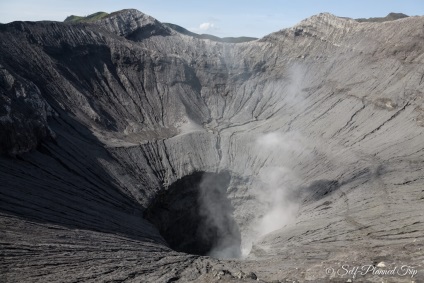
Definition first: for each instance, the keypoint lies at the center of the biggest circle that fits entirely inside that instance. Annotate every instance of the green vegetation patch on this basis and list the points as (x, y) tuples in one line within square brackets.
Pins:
[(86, 19)]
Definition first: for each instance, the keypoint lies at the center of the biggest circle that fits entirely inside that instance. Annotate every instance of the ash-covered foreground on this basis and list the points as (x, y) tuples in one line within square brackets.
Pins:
[(311, 138)]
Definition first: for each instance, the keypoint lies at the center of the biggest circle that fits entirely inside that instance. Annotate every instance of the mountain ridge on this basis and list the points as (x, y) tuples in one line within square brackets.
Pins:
[(102, 15), (389, 17)]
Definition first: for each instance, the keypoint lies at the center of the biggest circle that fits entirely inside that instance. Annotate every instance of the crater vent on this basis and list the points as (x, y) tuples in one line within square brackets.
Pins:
[(195, 216)]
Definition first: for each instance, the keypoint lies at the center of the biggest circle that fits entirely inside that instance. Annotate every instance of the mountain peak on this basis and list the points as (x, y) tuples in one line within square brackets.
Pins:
[(133, 24), (326, 19)]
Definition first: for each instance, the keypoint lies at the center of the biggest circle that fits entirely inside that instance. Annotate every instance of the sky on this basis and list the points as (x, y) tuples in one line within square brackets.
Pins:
[(219, 17)]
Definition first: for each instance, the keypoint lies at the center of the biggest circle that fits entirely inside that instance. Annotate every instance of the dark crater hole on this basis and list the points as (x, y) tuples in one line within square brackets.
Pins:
[(195, 216)]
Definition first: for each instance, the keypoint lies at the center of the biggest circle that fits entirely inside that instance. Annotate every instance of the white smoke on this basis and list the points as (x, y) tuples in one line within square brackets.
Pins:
[(275, 185), (281, 209), (278, 180)]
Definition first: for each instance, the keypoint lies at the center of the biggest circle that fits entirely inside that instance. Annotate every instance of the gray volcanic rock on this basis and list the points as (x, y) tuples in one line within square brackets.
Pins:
[(305, 146), (133, 24), (23, 115)]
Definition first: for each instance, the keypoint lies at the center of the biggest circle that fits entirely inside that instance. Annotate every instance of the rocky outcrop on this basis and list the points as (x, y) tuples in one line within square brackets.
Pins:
[(24, 115), (317, 130)]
